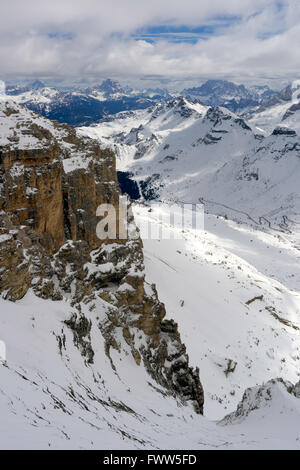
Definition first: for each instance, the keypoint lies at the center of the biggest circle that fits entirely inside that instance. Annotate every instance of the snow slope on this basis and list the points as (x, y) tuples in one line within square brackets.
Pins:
[(137, 133), (235, 293), (50, 398)]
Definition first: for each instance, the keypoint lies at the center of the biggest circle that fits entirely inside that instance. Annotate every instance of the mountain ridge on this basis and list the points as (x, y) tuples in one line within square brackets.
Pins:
[(185, 151)]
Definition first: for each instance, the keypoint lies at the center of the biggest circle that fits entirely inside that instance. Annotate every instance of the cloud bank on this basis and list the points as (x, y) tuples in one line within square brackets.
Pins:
[(133, 38)]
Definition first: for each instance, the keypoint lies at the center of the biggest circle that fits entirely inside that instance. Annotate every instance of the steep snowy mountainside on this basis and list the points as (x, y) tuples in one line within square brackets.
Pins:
[(134, 134), (184, 151), (263, 183), (234, 292), (235, 97), (50, 398), (178, 120), (282, 109), (264, 407), (107, 89), (282, 396)]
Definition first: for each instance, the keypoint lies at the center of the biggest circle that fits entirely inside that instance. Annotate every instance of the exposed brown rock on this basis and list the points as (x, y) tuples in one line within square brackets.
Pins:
[(49, 195)]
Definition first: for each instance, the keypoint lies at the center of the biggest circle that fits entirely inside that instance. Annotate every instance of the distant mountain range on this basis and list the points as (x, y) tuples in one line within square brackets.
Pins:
[(83, 106), (230, 95)]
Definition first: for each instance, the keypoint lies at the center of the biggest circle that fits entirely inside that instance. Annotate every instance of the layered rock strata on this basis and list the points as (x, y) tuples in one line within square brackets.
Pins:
[(51, 184)]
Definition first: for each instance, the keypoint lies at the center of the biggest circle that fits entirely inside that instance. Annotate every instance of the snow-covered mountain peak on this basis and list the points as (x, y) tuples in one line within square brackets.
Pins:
[(218, 115), (179, 101), (281, 109), (111, 86), (234, 97), (175, 112), (187, 152), (107, 89), (36, 84), (39, 97), (277, 397)]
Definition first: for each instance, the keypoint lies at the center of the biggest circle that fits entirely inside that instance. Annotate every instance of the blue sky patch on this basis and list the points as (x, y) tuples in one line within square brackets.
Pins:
[(62, 36), (185, 33)]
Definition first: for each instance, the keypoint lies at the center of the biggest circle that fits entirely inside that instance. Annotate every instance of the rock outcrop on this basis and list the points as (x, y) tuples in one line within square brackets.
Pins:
[(276, 392), (51, 183)]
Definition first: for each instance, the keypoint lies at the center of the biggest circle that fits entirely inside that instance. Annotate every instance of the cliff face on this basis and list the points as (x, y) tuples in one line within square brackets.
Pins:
[(51, 185)]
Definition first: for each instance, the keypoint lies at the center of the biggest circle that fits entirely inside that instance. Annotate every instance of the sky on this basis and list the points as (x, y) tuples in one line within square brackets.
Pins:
[(153, 40)]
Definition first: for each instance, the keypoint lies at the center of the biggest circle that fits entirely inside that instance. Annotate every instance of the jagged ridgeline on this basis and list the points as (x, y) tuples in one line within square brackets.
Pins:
[(52, 182)]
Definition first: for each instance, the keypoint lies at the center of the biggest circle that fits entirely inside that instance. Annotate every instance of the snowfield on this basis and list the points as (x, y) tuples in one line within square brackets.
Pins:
[(234, 292)]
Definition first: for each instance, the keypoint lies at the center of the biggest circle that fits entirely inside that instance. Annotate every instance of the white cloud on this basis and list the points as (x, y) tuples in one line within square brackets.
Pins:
[(95, 38), (2, 89)]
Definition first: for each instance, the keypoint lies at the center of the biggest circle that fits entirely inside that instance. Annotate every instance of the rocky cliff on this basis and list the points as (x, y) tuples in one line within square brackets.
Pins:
[(51, 183)]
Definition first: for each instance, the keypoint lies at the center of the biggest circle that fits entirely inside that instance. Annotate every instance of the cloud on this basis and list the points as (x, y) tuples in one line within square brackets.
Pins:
[(68, 38), (2, 90)]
